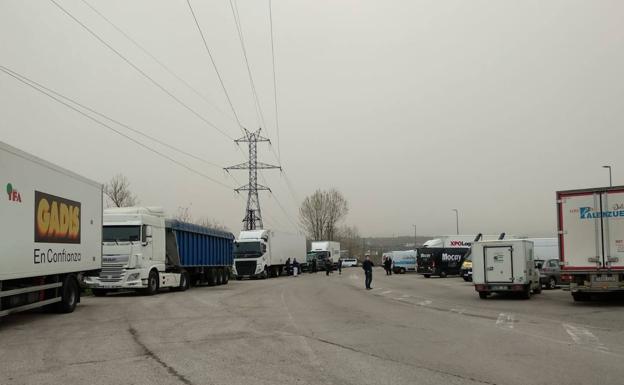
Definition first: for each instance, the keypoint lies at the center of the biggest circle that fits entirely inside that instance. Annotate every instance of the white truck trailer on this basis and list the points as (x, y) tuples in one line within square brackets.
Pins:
[(591, 240), (505, 266), (461, 240), (145, 251), (50, 233), (263, 253)]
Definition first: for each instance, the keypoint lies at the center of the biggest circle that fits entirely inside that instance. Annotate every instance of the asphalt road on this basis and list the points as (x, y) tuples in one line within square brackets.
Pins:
[(315, 329)]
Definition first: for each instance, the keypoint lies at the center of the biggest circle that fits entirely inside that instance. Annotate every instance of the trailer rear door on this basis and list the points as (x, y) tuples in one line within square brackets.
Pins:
[(613, 222), (580, 229), (498, 262)]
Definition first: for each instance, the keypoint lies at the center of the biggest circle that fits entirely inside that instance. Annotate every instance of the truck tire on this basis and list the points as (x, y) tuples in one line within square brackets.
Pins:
[(526, 294), (466, 279), (211, 277), (153, 283), (580, 297), (219, 277), (538, 289), (402, 270), (99, 292), (443, 274), (70, 296), (226, 276), (427, 275), (185, 282), (483, 294)]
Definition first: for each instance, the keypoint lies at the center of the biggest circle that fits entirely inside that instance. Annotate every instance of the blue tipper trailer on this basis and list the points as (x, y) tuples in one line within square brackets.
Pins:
[(205, 254)]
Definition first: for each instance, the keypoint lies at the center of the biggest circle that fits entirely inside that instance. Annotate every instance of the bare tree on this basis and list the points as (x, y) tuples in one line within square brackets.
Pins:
[(320, 212), (118, 192), (184, 215)]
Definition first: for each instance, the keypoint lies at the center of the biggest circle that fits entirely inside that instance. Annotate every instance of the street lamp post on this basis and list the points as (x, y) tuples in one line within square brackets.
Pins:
[(610, 181), (456, 220)]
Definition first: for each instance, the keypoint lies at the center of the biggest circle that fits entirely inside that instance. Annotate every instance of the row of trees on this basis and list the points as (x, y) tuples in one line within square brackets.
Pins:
[(320, 214)]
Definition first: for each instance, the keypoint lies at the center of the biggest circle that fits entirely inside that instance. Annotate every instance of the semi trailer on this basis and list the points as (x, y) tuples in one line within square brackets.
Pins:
[(50, 233), (264, 253), (144, 251), (591, 240)]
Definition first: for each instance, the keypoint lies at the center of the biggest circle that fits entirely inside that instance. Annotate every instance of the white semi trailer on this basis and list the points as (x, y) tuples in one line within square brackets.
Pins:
[(591, 240), (263, 253), (50, 233)]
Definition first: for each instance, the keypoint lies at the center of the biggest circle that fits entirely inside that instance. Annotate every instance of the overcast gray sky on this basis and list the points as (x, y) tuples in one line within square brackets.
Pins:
[(410, 108)]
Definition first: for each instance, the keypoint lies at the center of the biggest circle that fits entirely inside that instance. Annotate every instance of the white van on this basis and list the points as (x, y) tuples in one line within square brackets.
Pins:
[(505, 266)]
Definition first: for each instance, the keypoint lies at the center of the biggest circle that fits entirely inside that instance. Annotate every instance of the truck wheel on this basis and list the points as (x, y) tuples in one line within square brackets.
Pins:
[(483, 294), (580, 297), (211, 277), (218, 277), (552, 283), (402, 271), (427, 275), (443, 274), (226, 276), (99, 292), (466, 279), (185, 281), (153, 283), (238, 278), (538, 289), (69, 296), (526, 294)]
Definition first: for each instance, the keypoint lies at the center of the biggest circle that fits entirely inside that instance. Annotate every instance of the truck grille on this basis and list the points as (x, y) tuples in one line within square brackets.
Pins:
[(245, 267), (111, 272)]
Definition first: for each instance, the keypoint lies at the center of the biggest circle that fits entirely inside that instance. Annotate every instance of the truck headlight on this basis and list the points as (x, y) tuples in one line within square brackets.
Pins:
[(133, 276)]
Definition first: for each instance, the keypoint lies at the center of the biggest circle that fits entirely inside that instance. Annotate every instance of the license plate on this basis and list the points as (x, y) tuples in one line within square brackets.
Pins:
[(605, 278), (500, 288)]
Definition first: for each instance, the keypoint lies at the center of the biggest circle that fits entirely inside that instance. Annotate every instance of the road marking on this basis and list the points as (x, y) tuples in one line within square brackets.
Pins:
[(424, 303), (582, 336), (505, 321), (387, 292), (458, 311)]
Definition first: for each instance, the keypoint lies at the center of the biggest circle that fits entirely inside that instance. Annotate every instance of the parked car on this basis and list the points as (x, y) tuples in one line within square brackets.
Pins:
[(349, 262), (550, 272)]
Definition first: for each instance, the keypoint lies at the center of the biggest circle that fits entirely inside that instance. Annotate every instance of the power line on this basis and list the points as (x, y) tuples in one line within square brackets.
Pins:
[(24, 80), (93, 111), (140, 70), (214, 64), (159, 62), (284, 211), (241, 38), (279, 153)]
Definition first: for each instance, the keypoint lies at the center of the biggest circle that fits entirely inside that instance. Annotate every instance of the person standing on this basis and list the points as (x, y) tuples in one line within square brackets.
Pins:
[(339, 266), (287, 266), (388, 265), (295, 266), (328, 266), (367, 265)]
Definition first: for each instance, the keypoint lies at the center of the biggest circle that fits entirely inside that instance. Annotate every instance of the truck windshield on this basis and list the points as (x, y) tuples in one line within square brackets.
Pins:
[(121, 233), (248, 249), (319, 255)]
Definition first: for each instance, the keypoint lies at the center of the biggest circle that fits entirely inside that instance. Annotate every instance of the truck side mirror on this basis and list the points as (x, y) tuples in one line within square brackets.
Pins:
[(148, 231)]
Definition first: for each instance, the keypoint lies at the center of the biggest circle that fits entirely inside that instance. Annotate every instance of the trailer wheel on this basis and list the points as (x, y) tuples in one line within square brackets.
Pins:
[(153, 283), (185, 281), (69, 296), (218, 276), (99, 292), (211, 277), (226, 276), (483, 294)]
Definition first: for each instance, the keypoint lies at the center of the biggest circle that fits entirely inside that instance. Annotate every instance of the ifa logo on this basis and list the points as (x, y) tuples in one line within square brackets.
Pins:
[(13, 194)]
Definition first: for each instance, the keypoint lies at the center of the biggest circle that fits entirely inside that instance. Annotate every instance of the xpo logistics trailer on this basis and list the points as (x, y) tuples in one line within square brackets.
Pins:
[(591, 240), (50, 233), (144, 251), (263, 253)]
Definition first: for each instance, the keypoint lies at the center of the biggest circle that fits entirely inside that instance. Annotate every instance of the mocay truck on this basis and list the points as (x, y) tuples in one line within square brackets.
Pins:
[(263, 253), (505, 266), (144, 251), (591, 240), (50, 233)]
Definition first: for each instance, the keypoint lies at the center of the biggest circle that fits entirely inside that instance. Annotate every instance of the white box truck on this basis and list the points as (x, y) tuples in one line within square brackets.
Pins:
[(50, 233), (322, 251), (145, 251), (263, 253), (591, 240), (505, 266)]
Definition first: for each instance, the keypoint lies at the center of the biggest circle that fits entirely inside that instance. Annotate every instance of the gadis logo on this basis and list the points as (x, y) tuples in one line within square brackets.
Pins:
[(57, 220), (14, 195)]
